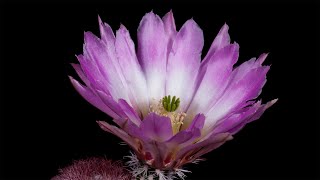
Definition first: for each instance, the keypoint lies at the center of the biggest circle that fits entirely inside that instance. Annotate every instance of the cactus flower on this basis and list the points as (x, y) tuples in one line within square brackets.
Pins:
[(167, 104)]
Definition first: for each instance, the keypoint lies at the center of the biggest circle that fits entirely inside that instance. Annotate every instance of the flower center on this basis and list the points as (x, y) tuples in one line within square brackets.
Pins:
[(170, 105), (167, 107)]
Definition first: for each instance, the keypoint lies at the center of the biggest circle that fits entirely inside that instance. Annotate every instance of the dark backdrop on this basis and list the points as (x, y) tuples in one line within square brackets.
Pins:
[(45, 124)]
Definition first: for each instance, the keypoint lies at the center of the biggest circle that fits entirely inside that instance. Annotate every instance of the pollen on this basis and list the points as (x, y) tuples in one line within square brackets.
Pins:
[(169, 108)]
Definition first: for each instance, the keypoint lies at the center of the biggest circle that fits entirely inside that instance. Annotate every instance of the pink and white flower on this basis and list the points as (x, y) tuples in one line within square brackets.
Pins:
[(169, 106)]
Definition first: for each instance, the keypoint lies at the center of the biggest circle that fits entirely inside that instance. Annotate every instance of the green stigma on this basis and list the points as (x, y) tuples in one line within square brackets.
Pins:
[(169, 104)]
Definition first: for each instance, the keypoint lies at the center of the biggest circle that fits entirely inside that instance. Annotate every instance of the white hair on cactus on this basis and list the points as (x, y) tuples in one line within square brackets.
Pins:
[(142, 171)]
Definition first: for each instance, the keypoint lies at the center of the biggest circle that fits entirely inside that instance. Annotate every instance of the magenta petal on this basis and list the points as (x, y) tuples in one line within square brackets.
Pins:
[(191, 133), (197, 123), (169, 24), (92, 98), (261, 110), (130, 112), (81, 74), (92, 73), (180, 137), (131, 69), (108, 100), (215, 142), (170, 29), (152, 53), (236, 119), (209, 144), (220, 41), (184, 62), (106, 65), (214, 80), (156, 127), (118, 132), (253, 117), (106, 32), (237, 94)]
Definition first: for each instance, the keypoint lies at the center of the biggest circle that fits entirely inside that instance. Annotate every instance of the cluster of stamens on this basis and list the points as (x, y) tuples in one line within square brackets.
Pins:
[(167, 107)]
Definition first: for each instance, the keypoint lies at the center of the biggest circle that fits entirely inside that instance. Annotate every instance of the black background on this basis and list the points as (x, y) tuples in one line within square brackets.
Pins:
[(45, 124)]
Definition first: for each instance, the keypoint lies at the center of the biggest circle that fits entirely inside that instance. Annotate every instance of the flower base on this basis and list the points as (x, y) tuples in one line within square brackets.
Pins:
[(142, 171)]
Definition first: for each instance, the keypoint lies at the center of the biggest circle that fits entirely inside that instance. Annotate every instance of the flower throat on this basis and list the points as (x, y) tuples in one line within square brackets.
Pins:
[(167, 107)]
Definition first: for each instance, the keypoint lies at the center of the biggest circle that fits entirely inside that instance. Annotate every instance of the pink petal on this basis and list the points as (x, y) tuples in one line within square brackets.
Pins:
[(156, 127), (129, 111), (245, 85), (214, 81), (80, 73), (106, 64), (93, 74), (132, 70), (106, 33), (152, 52), (170, 29), (220, 41), (118, 132), (196, 150), (186, 136), (183, 63), (92, 98), (236, 119), (234, 124)]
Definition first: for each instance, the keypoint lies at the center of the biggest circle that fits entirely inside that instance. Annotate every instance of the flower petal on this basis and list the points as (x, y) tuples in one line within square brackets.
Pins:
[(80, 73), (104, 58), (169, 24), (106, 33), (152, 53), (129, 111), (214, 80), (170, 29), (254, 116), (192, 152), (132, 70), (118, 132), (242, 88), (156, 127), (236, 119), (92, 73), (110, 102), (190, 134), (93, 99), (221, 40), (183, 63)]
